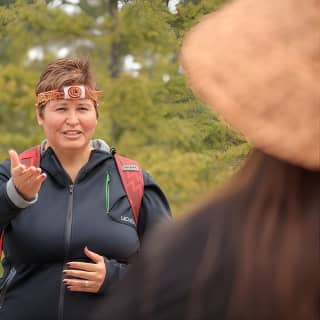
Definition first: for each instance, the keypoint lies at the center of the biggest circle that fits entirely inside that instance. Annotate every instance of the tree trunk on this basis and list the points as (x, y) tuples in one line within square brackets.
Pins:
[(115, 61)]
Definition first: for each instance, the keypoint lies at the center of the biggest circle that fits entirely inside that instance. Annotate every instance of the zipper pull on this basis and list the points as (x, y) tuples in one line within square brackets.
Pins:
[(71, 188), (108, 180)]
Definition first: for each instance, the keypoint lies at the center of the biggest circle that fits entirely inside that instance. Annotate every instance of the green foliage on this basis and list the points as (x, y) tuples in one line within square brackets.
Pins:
[(24, 26), (187, 176), (149, 114), (146, 23), (190, 11)]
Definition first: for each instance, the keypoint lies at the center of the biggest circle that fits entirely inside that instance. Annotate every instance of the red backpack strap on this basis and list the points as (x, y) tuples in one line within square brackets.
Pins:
[(31, 157), (132, 180)]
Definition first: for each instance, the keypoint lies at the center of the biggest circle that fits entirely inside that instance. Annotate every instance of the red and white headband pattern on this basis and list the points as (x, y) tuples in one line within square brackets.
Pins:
[(69, 92)]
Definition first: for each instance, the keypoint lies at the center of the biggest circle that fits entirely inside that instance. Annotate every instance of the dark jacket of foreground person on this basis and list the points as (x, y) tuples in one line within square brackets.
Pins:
[(252, 252)]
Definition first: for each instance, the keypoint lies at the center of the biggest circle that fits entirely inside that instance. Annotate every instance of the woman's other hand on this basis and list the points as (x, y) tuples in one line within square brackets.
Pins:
[(86, 276), (26, 180)]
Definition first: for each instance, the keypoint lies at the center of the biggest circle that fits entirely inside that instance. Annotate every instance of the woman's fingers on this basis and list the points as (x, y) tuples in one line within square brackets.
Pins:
[(33, 176), (93, 256), (85, 266), (39, 179), (28, 183), (83, 280), (17, 168), (86, 277), (26, 180), (14, 159), (81, 285), (79, 274)]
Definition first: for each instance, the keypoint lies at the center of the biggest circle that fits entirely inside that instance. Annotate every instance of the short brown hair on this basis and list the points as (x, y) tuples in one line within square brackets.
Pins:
[(65, 72)]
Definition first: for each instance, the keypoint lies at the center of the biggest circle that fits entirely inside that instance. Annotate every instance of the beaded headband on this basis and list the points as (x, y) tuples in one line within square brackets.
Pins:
[(69, 92)]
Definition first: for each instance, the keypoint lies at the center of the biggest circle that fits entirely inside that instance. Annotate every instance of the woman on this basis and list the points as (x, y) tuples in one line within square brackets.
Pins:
[(69, 228), (252, 251)]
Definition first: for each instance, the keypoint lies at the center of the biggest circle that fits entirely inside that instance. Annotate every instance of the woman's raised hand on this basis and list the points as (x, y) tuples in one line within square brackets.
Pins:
[(26, 180)]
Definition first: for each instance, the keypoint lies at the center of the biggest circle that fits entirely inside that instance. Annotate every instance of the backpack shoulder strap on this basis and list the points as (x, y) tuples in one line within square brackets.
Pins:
[(132, 181), (29, 157)]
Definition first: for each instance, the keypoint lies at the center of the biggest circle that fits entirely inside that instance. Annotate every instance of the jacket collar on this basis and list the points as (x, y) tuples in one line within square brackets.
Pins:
[(52, 166)]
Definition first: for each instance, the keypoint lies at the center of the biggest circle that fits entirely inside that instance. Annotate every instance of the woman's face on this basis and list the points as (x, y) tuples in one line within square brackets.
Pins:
[(68, 124)]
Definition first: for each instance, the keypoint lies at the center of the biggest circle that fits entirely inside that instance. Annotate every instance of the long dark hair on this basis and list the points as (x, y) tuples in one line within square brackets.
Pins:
[(277, 276), (268, 219)]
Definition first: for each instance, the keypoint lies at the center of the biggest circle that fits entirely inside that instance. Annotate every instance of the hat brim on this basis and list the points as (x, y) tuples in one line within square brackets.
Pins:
[(256, 63)]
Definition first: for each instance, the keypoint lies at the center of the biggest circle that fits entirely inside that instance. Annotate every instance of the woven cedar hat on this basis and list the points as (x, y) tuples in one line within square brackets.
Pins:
[(257, 64)]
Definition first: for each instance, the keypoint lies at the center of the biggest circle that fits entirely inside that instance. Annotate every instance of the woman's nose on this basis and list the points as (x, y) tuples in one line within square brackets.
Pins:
[(72, 118)]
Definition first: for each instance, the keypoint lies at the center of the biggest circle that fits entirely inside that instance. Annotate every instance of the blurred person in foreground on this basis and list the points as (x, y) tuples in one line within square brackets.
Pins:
[(70, 231), (252, 250)]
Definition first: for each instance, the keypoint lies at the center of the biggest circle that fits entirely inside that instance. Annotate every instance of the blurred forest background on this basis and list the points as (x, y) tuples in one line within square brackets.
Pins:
[(147, 112)]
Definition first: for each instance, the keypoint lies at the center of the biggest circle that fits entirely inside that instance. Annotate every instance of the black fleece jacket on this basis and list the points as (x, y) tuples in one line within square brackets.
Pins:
[(42, 237)]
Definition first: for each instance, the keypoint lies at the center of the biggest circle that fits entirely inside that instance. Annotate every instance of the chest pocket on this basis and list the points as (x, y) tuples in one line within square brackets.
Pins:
[(117, 203)]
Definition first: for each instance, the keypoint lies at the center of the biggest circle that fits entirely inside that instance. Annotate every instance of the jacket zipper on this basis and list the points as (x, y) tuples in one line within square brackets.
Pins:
[(108, 180), (6, 285), (67, 247)]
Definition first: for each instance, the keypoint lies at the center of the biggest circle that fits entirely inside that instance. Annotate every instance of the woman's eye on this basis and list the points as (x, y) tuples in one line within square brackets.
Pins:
[(60, 109), (83, 108)]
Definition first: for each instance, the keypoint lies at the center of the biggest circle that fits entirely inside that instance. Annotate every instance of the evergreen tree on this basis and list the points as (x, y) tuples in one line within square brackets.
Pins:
[(147, 113)]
